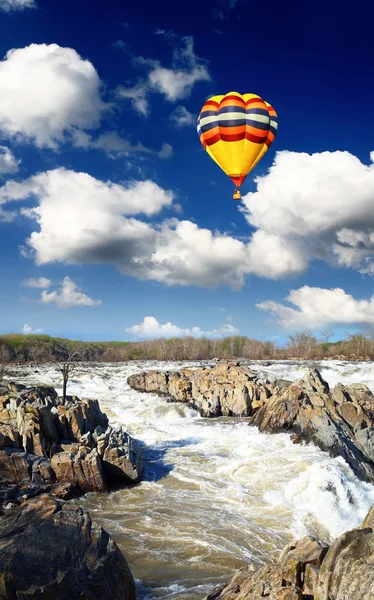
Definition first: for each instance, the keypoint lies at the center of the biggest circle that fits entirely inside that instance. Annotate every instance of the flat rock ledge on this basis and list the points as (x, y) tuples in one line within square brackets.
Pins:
[(52, 550), (311, 570), (61, 448), (339, 421)]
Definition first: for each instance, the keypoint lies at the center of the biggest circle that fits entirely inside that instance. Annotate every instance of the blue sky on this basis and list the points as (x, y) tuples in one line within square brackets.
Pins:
[(116, 224)]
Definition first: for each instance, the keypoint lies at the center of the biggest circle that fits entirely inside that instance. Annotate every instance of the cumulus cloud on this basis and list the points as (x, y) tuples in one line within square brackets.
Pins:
[(69, 295), (181, 117), (151, 328), (8, 162), (307, 206), (37, 282), (312, 206), (317, 306), (105, 226), (47, 93), (174, 83), (9, 5), (27, 330)]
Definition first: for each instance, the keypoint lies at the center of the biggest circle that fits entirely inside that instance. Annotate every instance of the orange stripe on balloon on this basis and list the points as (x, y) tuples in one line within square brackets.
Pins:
[(212, 132), (232, 130), (257, 131)]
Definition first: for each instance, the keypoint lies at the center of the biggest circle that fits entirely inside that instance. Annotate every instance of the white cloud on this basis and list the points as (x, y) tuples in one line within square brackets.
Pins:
[(151, 328), (37, 282), (9, 5), (312, 206), (182, 117), (69, 295), (8, 162), (317, 306), (174, 83), (47, 93), (27, 330), (104, 226)]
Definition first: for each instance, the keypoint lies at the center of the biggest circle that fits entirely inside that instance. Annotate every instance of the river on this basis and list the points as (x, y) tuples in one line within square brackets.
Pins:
[(216, 493)]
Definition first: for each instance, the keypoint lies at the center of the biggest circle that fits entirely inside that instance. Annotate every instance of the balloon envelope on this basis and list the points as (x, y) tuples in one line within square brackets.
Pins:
[(236, 130)]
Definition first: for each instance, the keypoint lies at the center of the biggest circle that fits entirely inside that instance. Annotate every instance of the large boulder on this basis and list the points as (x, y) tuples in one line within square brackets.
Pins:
[(284, 580), (226, 390), (51, 550), (80, 466), (121, 455), (311, 570)]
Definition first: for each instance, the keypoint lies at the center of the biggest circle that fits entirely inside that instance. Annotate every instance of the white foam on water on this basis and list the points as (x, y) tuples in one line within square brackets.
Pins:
[(217, 492)]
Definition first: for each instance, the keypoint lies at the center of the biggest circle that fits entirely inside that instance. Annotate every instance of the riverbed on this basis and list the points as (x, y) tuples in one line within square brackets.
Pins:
[(216, 493)]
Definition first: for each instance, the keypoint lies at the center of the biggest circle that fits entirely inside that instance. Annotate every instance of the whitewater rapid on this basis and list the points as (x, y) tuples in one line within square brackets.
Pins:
[(217, 493)]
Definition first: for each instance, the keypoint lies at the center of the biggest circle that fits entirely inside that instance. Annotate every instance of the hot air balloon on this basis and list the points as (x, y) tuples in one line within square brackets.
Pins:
[(236, 130)]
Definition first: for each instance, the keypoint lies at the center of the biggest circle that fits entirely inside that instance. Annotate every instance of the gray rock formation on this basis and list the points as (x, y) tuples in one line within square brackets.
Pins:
[(223, 391), (311, 570), (50, 550), (339, 421), (43, 441)]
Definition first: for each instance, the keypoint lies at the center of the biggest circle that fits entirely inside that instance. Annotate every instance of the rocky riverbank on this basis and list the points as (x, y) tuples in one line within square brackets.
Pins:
[(311, 570), (51, 451), (51, 550), (339, 421), (64, 448)]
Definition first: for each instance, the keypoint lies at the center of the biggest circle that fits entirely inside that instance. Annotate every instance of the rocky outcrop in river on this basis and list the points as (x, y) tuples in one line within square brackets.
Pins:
[(339, 421), (46, 444), (51, 550), (311, 570)]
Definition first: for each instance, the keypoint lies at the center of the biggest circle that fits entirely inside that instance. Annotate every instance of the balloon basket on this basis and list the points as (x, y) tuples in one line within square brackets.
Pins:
[(237, 195)]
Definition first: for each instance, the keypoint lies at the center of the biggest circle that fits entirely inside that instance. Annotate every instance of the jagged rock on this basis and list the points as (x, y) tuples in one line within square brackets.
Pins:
[(340, 421), (15, 494), (79, 417), (310, 570), (347, 571), (121, 455), (37, 424), (226, 390), (64, 491), (41, 470), (80, 466), (49, 550), (14, 466), (9, 436), (310, 580), (287, 579)]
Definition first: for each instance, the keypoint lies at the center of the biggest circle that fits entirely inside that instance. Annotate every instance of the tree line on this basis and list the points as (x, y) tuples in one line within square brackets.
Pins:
[(17, 348)]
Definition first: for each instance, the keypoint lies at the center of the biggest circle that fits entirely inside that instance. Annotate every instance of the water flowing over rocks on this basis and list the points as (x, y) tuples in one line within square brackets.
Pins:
[(339, 421), (45, 442), (311, 570), (51, 550)]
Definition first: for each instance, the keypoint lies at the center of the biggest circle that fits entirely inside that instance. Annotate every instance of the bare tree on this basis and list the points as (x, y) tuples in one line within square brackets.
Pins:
[(66, 358), (303, 343), (326, 334)]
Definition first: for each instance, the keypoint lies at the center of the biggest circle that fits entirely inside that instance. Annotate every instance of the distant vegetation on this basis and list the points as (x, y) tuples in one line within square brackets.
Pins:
[(16, 348)]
